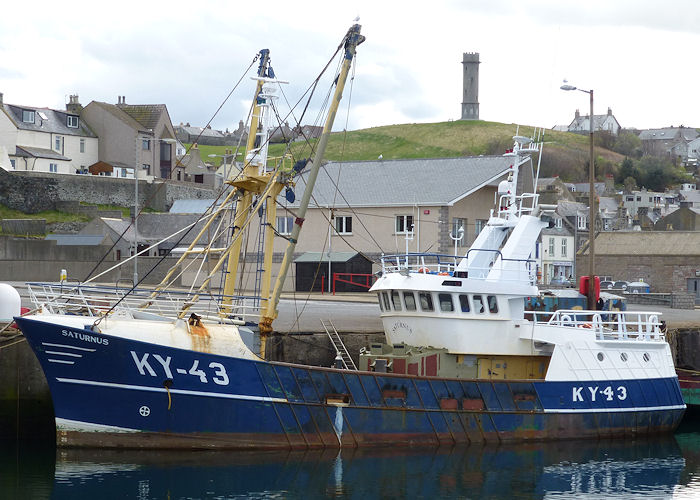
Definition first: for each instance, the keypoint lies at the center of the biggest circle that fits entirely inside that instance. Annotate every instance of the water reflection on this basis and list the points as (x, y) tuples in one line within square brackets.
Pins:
[(649, 468)]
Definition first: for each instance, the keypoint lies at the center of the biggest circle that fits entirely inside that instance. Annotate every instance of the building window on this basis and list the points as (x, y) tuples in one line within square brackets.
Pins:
[(557, 223), (57, 143), (582, 221), (12, 163), (82, 145), (404, 224), (53, 167), (145, 144), (343, 224), (458, 223), (563, 247), (479, 226), (285, 225), (72, 121), (124, 172), (27, 116), (551, 247), (147, 168)]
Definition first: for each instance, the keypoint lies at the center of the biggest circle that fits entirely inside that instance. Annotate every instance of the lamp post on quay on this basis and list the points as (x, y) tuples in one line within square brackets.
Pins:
[(591, 202)]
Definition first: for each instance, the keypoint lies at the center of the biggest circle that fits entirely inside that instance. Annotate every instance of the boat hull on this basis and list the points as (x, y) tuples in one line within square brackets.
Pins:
[(111, 392)]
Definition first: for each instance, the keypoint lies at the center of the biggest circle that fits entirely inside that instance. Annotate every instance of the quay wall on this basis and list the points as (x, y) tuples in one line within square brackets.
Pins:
[(33, 192), (24, 259)]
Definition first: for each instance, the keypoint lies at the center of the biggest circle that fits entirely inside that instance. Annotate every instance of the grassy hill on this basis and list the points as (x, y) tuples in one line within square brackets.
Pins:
[(565, 154)]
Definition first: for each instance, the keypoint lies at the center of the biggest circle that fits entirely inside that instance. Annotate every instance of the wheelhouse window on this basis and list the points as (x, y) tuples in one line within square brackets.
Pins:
[(343, 224), (379, 299), (426, 301), (28, 116), (409, 300), (385, 299), (464, 303), (72, 121), (446, 304), (478, 304), (285, 225), (404, 224), (493, 303), (395, 300)]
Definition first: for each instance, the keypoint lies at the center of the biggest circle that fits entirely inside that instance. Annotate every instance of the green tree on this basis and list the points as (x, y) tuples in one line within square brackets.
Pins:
[(628, 144)]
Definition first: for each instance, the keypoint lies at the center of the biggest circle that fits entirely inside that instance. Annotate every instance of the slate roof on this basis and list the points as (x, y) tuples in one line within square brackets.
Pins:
[(688, 134), (146, 114), (49, 154), (570, 208), (114, 110), (191, 206), (584, 187), (426, 182), (156, 227), (56, 122), (77, 239), (197, 131)]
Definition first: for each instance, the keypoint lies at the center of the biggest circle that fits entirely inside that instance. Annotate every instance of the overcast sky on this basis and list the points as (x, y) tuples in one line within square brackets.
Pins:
[(639, 56)]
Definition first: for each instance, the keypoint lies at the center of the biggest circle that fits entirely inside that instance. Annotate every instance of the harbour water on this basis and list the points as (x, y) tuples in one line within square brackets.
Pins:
[(654, 467)]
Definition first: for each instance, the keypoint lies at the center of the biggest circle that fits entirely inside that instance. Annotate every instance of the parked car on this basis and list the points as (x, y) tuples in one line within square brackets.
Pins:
[(621, 285), (638, 287), (560, 281), (606, 285)]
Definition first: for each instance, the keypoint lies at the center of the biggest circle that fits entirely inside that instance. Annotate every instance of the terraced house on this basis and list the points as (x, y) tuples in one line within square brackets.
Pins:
[(41, 139)]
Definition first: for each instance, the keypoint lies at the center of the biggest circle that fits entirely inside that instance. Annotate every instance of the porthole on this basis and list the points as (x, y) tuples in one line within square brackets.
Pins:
[(646, 357), (623, 356), (600, 356)]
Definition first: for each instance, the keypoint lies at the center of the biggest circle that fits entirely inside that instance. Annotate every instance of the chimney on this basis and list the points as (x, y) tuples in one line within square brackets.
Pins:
[(609, 111), (577, 114), (74, 106)]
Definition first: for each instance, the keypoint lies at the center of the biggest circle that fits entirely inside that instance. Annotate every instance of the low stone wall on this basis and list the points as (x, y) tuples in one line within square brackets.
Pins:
[(24, 226), (33, 192)]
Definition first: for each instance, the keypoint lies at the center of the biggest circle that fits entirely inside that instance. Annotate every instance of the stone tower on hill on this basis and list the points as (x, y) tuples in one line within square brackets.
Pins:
[(470, 90)]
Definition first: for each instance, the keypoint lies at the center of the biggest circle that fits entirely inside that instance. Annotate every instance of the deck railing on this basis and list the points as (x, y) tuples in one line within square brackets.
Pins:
[(97, 300), (607, 325), (448, 265)]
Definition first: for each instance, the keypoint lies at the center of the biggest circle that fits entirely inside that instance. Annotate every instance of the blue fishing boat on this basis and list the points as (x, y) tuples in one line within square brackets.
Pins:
[(463, 361)]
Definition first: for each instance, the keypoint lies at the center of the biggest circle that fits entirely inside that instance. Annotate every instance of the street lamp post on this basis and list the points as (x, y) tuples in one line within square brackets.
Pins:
[(591, 202)]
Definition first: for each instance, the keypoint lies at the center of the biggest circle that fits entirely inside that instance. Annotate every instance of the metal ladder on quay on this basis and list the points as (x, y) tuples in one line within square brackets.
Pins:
[(338, 345)]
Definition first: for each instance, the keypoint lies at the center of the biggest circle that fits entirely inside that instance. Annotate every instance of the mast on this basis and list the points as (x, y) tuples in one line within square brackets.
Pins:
[(352, 40)]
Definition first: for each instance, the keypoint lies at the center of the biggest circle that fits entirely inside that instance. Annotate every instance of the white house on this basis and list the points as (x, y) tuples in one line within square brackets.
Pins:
[(558, 252), (45, 140), (605, 123)]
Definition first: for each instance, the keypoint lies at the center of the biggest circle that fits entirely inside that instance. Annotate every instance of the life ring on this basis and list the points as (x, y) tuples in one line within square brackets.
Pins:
[(585, 325), (424, 270)]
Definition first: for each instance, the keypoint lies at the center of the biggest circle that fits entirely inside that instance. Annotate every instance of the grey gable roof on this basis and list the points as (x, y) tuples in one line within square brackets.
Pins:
[(426, 182), (56, 122)]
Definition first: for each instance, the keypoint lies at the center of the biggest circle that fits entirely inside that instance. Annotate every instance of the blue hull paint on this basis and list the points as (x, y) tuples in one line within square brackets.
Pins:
[(181, 398)]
